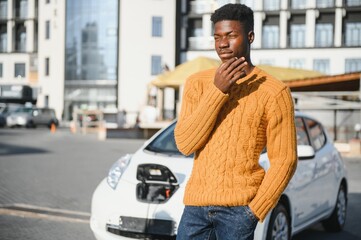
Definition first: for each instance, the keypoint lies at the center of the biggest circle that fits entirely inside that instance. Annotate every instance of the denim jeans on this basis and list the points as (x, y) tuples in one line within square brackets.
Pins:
[(216, 222)]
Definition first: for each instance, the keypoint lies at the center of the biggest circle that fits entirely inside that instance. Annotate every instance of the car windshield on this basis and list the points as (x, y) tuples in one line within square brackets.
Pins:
[(24, 110), (164, 143)]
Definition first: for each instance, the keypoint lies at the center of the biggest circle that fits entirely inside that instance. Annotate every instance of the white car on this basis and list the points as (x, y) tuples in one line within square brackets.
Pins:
[(142, 197)]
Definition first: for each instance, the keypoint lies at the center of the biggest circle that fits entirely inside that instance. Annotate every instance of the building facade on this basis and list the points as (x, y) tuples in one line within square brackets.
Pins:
[(87, 54), (321, 35), (18, 42)]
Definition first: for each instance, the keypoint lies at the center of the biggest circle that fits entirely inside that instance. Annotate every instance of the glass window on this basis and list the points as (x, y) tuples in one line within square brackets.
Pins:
[(1, 70), (47, 66), (324, 35), (298, 35), (302, 138), (47, 29), (19, 70), (317, 135), (353, 65), (3, 37), (353, 34), (271, 5), (297, 63), (298, 4), (249, 3), (20, 35), (21, 8), (91, 40), (156, 65), (321, 65), (270, 38), (157, 26), (324, 3), (353, 2), (3, 9)]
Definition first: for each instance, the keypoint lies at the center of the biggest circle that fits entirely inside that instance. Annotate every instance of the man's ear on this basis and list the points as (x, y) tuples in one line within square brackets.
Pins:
[(250, 36)]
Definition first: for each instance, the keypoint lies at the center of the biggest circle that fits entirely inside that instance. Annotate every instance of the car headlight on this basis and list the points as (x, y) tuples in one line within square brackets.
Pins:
[(117, 170)]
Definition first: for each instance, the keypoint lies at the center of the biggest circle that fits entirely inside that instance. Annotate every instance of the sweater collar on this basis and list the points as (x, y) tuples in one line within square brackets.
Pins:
[(252, 74)]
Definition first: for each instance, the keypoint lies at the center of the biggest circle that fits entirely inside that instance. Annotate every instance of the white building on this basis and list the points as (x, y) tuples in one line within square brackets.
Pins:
[(87, 54), (321, 35)]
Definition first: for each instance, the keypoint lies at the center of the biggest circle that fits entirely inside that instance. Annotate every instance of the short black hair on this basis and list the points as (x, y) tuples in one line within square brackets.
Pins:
[(234, 11)]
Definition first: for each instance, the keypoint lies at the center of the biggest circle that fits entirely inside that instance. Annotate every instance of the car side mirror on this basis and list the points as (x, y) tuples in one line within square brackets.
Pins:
[(305, 152)]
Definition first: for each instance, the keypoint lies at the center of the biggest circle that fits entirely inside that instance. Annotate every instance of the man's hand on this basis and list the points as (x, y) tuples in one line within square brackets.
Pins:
[(229, 72)]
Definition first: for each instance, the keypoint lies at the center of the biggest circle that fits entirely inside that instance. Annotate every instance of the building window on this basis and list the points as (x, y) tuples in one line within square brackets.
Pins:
[(3, 37), (20, 37), (271, 5), (47, 29), (298, 4), (353, 3), (322, 65), (19, 70), (1, 70), (353, 34), (270, 38), (47, 66), (21, 8), (297, 63), (157, 25), (353, 65), (3, 9), (324, 3), (156, 65), (324, 35), (298, 35)]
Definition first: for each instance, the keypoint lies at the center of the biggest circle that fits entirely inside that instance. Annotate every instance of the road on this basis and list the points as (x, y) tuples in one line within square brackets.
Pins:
[(47, 180)]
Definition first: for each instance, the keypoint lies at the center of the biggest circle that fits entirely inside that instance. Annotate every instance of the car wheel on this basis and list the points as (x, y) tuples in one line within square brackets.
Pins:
[(336, 221), (280, 225)]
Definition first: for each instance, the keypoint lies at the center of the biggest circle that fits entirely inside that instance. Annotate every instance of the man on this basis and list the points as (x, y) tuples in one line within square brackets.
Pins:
[(228, 116)]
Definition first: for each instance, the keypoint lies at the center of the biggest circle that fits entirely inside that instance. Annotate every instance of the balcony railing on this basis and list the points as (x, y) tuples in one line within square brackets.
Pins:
[(201, 43)]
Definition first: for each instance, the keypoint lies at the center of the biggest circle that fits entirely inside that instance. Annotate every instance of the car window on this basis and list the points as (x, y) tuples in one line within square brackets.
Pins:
[(317, 135), (302, 137), (165, 143)]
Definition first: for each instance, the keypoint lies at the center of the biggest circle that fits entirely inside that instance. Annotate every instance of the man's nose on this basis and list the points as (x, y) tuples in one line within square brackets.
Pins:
[(224, 43)]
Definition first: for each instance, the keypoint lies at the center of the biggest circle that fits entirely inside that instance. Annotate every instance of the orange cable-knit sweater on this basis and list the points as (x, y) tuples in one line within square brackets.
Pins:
[(227, 133)]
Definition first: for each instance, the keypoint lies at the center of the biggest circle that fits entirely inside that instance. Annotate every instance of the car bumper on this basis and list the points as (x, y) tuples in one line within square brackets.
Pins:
[(110, 207)]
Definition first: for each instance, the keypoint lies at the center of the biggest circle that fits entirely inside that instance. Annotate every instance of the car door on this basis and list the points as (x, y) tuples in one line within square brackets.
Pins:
[(324, 171), (302, 189)]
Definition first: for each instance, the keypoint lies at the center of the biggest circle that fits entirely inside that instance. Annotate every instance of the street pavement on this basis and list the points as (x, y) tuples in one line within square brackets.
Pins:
[(47, 180)]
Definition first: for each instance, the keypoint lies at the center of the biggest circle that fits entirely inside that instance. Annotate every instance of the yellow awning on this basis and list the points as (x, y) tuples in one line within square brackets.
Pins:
[(177, 77), (288, 74)]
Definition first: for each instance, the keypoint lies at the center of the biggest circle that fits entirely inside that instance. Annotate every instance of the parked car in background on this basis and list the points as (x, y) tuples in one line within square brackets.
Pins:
[(142, 196), (5, 110), (32, 117)]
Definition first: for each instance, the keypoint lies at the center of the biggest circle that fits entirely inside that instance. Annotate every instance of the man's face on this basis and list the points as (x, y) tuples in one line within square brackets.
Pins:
[(232, 40)]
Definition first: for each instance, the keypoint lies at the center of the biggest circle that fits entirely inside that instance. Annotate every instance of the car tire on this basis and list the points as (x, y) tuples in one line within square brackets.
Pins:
[(279, 226), (336, 221), (30, 124)]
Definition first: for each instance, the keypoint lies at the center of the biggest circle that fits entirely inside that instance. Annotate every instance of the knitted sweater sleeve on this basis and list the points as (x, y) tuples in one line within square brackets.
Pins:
[(200, 107), (282, 154)]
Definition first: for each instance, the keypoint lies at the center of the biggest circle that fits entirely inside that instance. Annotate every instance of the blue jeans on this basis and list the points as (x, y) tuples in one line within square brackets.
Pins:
[(216, 222)]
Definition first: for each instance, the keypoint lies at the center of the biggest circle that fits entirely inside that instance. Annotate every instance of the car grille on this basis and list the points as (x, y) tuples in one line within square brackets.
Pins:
[(142, 228)]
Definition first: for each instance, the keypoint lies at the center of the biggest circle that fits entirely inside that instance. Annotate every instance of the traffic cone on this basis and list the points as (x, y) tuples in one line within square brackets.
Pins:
[(52, 128), (72, 127)]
